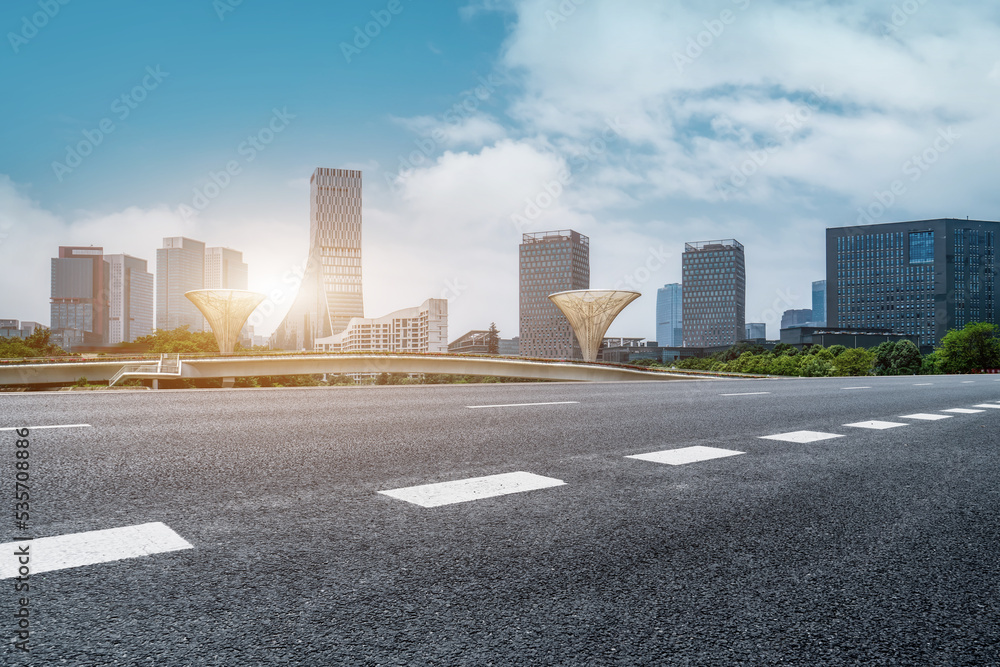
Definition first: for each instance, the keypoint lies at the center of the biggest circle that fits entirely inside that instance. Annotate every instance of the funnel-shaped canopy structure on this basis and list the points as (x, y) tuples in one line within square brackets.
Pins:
[(227, 311), (590, 312)]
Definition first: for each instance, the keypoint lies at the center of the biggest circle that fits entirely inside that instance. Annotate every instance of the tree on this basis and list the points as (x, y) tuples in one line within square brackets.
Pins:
[(973, 348), (493, 339), (737, 350), (854, 361), (882, 362), (785, 349), (905, 358), (180, 341)]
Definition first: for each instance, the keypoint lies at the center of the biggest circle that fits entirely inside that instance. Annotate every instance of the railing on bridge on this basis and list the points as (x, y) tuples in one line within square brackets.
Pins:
[(168, 365)]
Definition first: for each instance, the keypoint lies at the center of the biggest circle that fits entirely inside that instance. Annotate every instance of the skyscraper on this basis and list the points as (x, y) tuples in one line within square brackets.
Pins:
[(130, 302), (180, 267), (550, 262), (669, 310), (225, 269), (330, 293), (78, 307), (819, 303), (920, 278), (714, 279)]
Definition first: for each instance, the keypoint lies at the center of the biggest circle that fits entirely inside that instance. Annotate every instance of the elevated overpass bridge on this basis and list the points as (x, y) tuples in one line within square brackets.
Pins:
[(230, 367)]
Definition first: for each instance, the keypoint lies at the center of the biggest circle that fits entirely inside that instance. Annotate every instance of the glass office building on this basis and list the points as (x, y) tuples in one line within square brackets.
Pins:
[(669, 315), (819, 303), (714, 299), (550, 262), (920, 278)]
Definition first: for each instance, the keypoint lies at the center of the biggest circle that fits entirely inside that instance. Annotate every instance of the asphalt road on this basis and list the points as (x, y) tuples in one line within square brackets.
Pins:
[(876, 548)]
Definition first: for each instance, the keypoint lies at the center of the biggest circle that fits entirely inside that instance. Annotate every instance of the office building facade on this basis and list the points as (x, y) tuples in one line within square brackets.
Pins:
[(130, 302), (550, 262), (78, 307), (819, 303), (798, 317), (17, 329), (755, 331), (180, 268), (919, 278), (330, 294), (669, 315), (420, 329), (225, 269), (714, 294)]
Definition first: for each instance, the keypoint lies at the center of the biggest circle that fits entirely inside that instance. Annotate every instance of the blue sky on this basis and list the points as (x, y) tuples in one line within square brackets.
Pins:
[(642, 124)]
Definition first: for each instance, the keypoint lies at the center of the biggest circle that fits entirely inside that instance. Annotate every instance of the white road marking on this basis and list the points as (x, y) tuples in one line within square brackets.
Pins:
[(518, 405), (987, 405), (678, 457), (749, 393), (962, 411), (923, 384), (855, 387), (475, 488), (46, 554), (877, 425), (967, 381), (801, 436), (35, 428), (925, 416)]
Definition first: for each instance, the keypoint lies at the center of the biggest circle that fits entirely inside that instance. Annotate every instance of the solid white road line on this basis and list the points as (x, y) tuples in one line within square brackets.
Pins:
[(678, 457), (855, 387), (46, 554), (748, 393), (476, 488), (876, 425), (35, 428), (801, 436), (925, 416), (518, 405), (962, 411), (987, 405)]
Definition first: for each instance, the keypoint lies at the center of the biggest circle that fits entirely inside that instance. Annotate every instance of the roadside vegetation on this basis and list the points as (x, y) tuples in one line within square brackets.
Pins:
[(973, 349)]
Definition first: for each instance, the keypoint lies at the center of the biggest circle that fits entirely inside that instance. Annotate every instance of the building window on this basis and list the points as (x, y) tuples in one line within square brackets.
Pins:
[(921, 247)]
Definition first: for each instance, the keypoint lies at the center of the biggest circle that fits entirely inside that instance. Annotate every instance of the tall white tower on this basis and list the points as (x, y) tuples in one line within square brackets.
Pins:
[(330, 293)]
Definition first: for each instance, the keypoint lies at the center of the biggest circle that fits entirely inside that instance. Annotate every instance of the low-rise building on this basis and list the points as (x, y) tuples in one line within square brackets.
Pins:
[(423, 328)]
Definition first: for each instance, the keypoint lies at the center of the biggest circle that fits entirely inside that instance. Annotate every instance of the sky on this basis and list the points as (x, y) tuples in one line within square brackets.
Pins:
[(643, 124)]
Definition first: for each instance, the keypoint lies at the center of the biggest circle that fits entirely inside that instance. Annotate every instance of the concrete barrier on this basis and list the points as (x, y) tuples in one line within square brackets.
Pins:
[(242, 366)]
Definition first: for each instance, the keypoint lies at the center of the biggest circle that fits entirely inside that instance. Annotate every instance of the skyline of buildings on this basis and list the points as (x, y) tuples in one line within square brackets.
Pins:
[(550, 262), (714, 292), (917, 278)]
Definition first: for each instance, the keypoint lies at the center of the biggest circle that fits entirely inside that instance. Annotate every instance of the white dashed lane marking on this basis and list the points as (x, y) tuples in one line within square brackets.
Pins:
[(855, 387), (923, 384), (475, 488), (801, 436), (748, 393), (46, 554), (520, 405), (677, 457), (877, 425), (962, 411), (987, 405), (35, 428), (925, 416)]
